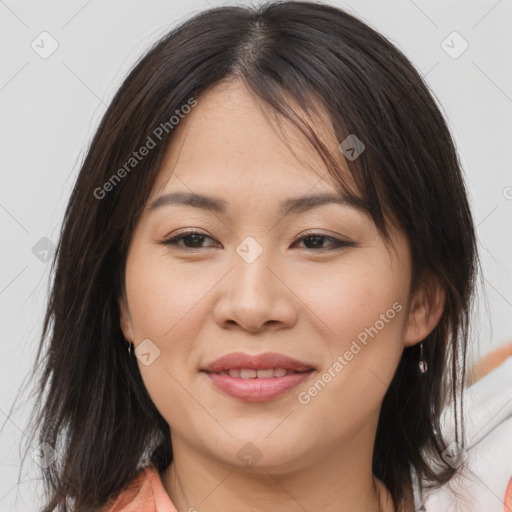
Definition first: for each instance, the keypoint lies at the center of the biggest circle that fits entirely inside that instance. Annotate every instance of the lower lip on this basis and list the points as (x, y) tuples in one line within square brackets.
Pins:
[(257, 390)]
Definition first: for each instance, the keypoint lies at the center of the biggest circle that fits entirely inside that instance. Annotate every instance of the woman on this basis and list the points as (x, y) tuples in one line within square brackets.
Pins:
[(272, 218)]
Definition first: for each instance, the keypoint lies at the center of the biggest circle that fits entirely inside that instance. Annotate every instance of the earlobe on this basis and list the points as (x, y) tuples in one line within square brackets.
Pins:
[(425, 312)]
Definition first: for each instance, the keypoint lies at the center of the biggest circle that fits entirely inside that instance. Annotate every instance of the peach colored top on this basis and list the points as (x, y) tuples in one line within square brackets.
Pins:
[(145, 493)]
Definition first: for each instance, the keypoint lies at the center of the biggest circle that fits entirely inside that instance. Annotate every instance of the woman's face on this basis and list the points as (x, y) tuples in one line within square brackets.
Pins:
[(255, 279)]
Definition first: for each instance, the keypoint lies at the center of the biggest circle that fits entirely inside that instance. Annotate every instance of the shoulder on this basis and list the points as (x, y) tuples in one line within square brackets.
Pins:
[(484, 481), (145, 493)]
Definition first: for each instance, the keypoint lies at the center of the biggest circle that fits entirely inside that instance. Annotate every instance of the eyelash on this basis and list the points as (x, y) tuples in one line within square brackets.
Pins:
[(338, 244)]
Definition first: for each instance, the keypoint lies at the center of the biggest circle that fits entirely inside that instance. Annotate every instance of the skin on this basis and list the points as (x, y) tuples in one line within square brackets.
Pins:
[(297, 298)]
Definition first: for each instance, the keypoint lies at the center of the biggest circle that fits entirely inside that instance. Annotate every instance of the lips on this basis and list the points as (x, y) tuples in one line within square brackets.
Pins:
[(256, 378)]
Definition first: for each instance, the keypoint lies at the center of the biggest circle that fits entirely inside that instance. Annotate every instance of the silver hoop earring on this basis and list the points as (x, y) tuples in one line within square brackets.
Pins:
[(129, 347), (422, 364)]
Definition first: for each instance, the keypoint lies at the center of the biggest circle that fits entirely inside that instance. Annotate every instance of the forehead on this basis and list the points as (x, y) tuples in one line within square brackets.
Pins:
[(232, 137)]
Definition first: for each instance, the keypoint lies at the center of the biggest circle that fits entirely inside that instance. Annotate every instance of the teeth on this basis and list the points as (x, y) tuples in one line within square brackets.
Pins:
[(251, 373), (248, 374), (265, 374)]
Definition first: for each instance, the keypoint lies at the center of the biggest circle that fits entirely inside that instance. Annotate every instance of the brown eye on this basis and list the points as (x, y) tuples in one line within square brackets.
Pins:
[(316, 241), (191, 239)]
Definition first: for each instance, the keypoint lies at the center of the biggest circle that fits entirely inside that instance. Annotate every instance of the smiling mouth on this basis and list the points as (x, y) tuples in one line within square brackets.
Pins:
[(256, 377)]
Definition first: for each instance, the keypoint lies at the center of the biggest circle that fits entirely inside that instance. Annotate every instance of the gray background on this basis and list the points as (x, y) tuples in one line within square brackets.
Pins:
[(50, 108)]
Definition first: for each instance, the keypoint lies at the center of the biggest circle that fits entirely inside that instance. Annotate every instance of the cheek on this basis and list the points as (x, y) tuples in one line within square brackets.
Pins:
[(362, 315), (164, 296), (163, 303), (350, 299)]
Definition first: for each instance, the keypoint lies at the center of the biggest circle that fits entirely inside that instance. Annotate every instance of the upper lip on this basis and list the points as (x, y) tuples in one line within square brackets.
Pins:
[(239, 360)]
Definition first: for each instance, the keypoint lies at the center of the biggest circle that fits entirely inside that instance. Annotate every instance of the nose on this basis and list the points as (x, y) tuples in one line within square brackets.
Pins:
[(255, 296)]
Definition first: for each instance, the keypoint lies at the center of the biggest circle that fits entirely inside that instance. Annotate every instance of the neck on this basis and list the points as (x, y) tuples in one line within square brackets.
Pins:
[(322, 482)]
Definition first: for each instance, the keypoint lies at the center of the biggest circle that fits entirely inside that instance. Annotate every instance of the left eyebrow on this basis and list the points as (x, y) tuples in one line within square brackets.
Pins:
[(190, 199), (299, 204)]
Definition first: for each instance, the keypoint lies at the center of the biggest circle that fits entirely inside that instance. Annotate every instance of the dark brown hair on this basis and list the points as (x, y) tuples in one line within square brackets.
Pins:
[(92, 405)]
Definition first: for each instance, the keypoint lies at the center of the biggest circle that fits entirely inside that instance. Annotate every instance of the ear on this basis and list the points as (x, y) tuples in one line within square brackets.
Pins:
[(425, 311), (125, 318)]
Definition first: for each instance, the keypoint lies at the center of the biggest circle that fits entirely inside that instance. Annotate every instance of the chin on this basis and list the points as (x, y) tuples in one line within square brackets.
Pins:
[(259, 453)]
